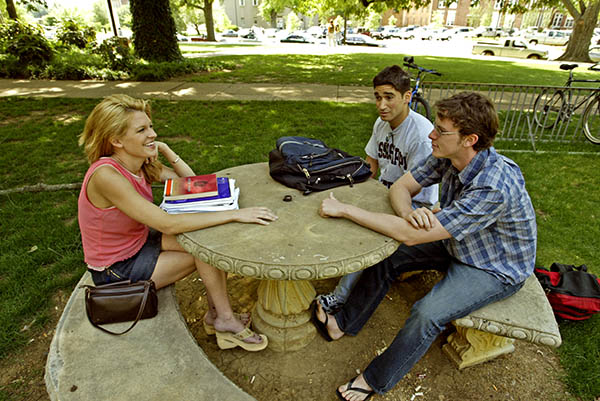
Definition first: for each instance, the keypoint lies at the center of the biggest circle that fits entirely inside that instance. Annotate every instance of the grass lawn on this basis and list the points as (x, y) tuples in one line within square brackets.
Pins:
[(41, 248), (359, 69)]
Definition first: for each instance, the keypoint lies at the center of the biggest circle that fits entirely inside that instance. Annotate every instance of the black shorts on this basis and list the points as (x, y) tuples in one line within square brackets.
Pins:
[(136, 268)]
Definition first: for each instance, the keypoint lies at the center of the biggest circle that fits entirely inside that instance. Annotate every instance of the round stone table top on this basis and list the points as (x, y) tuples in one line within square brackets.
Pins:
[(300, 245)]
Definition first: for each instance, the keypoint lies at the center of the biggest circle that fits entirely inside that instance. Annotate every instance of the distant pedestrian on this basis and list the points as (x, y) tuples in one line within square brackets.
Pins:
[(330, 34)]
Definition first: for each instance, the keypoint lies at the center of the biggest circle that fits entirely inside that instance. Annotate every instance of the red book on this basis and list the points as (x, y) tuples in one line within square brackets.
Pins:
[(198, 186)]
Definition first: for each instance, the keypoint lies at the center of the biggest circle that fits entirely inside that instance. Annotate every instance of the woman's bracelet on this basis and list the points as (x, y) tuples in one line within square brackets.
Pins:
[(176, 160)]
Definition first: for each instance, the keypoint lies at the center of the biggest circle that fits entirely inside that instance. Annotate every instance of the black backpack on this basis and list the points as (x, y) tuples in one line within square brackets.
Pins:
[(309, 165)]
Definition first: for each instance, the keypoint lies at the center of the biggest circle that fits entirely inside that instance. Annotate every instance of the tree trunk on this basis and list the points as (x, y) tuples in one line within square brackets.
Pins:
[(583, 30), (154, 33), (11, 10), (273, 19), (208, 18)]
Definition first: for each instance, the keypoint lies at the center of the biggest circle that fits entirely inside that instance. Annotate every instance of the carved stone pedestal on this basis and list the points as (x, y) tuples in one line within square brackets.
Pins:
[(467, 347), (282, 313)]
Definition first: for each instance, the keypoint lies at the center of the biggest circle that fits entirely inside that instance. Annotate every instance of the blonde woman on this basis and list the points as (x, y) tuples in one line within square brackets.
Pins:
[(126, 236)]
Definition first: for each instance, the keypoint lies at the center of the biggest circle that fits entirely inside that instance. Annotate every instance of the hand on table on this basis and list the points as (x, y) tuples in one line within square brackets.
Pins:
[(331, 207), (258, 215)]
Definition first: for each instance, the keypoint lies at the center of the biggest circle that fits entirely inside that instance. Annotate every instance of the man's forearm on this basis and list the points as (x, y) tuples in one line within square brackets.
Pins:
[(401, 200), (381, 222), (393, 226)]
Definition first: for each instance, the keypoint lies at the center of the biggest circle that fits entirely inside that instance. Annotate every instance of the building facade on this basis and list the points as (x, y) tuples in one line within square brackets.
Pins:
[(486, 13), (246, 14)]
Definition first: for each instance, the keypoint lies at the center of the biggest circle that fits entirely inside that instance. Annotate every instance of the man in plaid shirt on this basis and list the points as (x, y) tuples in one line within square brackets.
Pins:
[(483, 238)]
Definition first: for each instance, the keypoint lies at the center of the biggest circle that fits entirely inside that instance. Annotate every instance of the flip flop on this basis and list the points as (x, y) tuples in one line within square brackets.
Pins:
[(321, 327), (355, 389), (226, 340), (211, 331)]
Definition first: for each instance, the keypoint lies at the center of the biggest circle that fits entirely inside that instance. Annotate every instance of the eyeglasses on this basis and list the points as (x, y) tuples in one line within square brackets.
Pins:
[(442, 131)]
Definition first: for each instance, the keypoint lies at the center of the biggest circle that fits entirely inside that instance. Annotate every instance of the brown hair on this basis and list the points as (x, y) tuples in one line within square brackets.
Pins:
[(109, 120), (395, 76), (472, 113)]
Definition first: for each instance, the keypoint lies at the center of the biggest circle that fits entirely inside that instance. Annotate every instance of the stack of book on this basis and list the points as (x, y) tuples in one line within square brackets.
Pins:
[(201, 193)]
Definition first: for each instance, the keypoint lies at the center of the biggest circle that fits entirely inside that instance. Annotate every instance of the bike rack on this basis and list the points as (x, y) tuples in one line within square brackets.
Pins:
[(530, 132)]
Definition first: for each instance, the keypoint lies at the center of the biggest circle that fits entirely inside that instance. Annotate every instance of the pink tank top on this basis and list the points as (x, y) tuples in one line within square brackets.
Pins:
[(109, 235)]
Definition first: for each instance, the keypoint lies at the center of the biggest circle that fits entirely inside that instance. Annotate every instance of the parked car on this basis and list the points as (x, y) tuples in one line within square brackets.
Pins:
[(317, 32), (455, 33), (230, 33), (549, 37), (271, 32), (511, 47), (407, 32), (431, 34), (487, 31), (247, 34), (362, 30), (595, 54), (199, 38), (298, 38), (386, 32), (362, 40)]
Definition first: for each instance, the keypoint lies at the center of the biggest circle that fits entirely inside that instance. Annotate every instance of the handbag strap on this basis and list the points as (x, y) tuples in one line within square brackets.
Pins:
[(137, 318)]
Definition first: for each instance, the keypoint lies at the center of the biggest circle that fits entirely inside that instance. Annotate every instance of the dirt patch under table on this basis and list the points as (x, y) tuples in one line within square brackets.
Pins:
[(530, 373)]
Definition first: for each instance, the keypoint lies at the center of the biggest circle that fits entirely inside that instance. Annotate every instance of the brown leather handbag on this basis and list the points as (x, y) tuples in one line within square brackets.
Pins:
[(122, 301)]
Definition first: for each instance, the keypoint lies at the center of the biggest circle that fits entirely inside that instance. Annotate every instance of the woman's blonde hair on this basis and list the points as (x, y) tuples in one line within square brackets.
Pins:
[(110, 120)]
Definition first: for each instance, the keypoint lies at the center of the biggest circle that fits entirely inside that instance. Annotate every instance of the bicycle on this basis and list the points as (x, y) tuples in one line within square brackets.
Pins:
[(552, 106), (417, 101)]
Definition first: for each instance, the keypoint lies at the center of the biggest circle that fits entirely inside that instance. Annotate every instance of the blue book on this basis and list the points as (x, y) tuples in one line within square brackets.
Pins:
[(222, 186)]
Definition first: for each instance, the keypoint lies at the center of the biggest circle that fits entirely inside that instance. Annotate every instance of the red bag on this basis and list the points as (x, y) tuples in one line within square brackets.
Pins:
[(573, 293)]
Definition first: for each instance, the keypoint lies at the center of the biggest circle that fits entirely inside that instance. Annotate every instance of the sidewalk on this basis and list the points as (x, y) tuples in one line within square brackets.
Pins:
[(172, 90)]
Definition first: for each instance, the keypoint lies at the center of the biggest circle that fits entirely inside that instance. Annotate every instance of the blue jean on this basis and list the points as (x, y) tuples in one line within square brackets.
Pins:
[(464, 289), (345, 285)]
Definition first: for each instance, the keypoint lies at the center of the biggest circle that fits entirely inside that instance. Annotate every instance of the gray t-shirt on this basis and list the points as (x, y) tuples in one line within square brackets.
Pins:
[(398, 151)]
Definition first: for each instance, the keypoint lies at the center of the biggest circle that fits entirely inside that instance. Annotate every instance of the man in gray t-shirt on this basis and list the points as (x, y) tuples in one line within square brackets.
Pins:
[(400, 140), (396, 150)]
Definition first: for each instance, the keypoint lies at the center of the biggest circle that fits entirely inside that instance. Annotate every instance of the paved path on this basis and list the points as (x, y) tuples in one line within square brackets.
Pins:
[(173, 90)]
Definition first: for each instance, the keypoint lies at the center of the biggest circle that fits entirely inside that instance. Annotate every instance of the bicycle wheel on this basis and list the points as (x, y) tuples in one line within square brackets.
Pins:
[(591, 121), (547, 108), (421, 106)]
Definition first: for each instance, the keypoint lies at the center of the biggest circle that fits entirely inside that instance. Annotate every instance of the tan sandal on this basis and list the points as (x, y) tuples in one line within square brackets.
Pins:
[(211, 331), (227, 340)]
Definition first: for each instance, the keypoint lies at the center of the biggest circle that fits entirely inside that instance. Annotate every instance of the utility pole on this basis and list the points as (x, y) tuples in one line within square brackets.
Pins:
[(113, 22)]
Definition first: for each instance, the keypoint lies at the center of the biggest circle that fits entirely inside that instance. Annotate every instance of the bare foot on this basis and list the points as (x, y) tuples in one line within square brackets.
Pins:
[(356, 389), (332, 328), (233, 325)]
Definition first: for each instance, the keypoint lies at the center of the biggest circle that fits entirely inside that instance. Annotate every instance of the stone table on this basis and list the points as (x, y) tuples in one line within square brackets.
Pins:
[(300, 246)]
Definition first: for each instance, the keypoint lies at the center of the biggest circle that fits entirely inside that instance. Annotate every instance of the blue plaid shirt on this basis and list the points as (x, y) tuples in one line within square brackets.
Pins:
[(488, 212)]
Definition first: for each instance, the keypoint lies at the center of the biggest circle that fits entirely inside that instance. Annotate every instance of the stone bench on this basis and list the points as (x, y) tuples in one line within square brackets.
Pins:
[(492, 330), (157, 360)]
